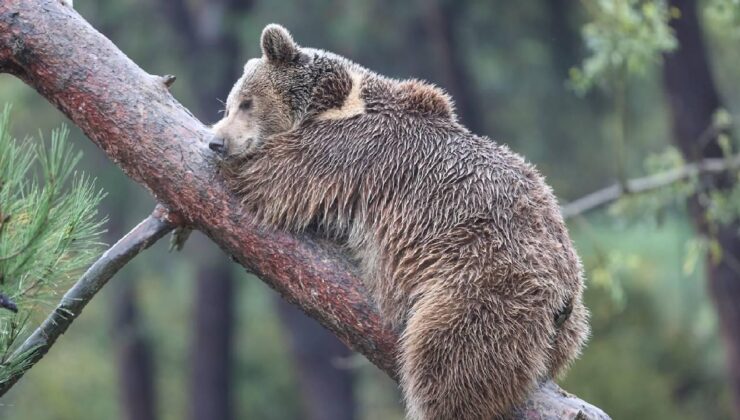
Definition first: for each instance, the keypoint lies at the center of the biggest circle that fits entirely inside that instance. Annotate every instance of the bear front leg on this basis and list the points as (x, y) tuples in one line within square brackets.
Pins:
[(281, 189)]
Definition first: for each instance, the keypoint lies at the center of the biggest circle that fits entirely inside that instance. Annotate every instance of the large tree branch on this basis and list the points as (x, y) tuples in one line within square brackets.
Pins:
[(158, 143)]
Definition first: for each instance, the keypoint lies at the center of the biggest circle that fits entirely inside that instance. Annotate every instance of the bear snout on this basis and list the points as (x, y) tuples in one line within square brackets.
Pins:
[(217, 144)]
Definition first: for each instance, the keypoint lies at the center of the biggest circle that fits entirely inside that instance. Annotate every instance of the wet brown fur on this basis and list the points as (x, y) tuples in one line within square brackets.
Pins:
[(460, 240)]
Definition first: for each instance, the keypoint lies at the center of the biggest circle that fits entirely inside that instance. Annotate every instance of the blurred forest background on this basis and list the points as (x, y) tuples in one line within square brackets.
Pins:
[(580, 88)]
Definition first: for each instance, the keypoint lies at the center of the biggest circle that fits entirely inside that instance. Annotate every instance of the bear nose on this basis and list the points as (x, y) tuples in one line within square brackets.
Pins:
[(217, 144)]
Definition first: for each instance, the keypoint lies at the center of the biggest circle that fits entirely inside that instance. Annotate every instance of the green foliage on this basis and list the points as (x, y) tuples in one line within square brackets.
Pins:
[(49, 229), (656, 203), (611, 271), (723, 206), (657, 348), (639, 293), (726, 14), (622, 36)]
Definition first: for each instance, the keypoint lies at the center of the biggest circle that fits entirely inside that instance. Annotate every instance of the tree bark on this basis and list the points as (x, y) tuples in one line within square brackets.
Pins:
[(133, 118), (205, 41), (692, 100)]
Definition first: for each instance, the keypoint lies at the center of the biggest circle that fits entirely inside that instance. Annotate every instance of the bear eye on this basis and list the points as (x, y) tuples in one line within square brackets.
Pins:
[(245, 104)]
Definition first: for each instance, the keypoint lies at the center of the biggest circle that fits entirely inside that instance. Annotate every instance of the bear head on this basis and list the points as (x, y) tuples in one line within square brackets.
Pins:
[(278, 91)]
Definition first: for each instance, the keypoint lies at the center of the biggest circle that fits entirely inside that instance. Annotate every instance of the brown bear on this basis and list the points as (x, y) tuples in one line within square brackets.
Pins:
[(460, 241)]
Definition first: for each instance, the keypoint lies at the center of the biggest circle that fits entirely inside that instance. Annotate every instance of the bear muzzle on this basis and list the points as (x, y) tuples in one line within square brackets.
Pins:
[(218, 145)]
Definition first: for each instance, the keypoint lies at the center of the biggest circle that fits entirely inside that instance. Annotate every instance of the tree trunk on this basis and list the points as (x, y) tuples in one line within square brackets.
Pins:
[(210, 389), (563, 38), (449, 59), (133, 118), (326, 386), (692, 99), (135, 365)]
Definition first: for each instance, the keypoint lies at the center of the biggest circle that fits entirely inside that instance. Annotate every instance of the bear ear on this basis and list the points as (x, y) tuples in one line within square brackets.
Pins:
[(277, 44)]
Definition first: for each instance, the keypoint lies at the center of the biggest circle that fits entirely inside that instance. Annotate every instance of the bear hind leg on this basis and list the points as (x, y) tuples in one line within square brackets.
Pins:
[(471, 361)]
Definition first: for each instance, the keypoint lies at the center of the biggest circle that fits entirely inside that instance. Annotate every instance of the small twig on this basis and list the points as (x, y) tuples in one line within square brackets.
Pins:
[(154, 227), (168, 80), (4, 219), (179, 236), (710, 134), (7, 303), (614, 192)]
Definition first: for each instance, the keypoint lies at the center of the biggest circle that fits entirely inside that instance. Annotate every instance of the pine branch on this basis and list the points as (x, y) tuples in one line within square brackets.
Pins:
[(151, 229), (52, 229), (649, 183), (161, 146)]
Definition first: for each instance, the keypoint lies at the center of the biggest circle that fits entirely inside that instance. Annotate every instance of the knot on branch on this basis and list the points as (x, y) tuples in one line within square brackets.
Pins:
[(164, 214)]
